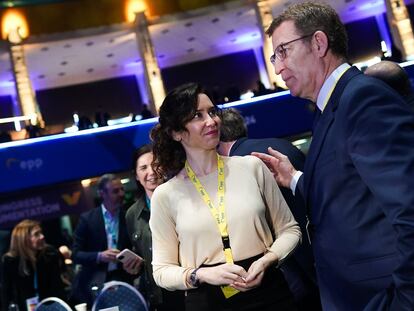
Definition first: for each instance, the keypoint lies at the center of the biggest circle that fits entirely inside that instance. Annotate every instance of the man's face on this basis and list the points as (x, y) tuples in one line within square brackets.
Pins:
[(113, 194), (298, 68)]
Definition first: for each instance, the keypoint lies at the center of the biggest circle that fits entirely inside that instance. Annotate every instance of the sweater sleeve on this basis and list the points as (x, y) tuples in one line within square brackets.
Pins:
[(285, 229), (167, 271)]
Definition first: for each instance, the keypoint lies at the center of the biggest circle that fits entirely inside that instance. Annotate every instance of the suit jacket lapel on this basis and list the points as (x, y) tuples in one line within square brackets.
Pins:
[(100, 225), (236, 145), (322, 127), (140, 206)]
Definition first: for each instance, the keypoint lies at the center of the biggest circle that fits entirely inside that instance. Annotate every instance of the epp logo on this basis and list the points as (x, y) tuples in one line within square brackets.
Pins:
[(25, 165), (248, 120)]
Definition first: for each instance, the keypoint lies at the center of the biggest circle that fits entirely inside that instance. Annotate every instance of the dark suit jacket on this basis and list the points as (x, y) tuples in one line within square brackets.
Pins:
[(299, 270), (359, 181), (90, 239)]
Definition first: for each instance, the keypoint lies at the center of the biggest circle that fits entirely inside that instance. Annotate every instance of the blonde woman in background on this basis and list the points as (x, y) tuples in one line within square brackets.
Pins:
[(31, 268)]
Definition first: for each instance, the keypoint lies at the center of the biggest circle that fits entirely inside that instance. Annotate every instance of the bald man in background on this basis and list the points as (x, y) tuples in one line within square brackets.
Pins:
[(395, 76)]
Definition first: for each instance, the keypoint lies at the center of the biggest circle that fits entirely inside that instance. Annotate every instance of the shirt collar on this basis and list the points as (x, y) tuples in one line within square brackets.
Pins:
[(231, 146), (107, 214), (329, 85), (148, 201)]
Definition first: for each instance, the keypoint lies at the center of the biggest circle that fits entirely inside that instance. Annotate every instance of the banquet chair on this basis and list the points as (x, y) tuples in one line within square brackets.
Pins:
[(121, 295), (52, 304)]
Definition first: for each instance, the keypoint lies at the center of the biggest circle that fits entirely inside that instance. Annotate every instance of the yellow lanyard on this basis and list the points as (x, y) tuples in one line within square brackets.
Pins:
[(219, 214), (325, 102)]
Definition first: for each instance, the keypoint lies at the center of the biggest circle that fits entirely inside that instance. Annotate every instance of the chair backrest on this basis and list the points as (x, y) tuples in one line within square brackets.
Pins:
[(53, 304), (122, 295)]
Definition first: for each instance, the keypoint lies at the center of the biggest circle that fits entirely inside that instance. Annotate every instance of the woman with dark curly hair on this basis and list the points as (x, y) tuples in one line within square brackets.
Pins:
[(220, 225), (31, 268)]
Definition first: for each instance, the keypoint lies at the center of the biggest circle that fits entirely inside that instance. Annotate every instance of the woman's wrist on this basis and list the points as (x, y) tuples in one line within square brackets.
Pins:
[(269, 259), (193, 278)]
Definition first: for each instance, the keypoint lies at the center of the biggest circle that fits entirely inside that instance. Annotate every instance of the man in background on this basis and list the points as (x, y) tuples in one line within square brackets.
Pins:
[(299, 269), (395, 76), (100, 235)]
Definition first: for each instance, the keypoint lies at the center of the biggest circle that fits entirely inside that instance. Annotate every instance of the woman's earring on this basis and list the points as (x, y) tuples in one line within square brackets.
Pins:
[(176, 136)]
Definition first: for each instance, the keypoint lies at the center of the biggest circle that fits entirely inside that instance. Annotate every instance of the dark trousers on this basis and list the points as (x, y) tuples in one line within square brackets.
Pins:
[(171, 301), (272, 294)]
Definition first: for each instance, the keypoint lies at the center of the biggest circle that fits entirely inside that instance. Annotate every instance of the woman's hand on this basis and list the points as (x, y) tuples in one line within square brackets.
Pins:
[(224, 274), (253, 279), (133, 266), (255, 273)]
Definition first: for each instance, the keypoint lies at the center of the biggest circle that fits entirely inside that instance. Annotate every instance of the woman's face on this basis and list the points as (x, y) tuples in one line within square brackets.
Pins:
[(144, 173), (36, 238), (203, 130)]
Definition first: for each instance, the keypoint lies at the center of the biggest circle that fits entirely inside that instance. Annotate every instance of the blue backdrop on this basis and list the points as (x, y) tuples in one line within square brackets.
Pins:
[(67, 157)]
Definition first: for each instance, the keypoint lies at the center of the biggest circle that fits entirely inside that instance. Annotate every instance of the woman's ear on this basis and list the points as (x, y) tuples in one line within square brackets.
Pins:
[(176, 136)]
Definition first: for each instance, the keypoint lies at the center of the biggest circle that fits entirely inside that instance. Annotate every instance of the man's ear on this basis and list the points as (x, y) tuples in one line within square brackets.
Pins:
[(176, 136), (320, 43)]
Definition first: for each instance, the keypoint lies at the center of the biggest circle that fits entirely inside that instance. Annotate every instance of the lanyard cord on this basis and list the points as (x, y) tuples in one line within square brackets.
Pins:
[(218, 213), (35, 282)]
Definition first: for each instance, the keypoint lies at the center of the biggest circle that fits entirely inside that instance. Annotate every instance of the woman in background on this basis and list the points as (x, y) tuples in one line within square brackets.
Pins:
[(31, 269), (220, 225), (137, 219)]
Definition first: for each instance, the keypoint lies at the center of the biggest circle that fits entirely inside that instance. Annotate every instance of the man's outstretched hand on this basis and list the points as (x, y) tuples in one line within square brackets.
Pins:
[(279, 165)]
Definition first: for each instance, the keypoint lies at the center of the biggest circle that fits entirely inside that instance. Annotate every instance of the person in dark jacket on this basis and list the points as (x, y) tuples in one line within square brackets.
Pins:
[(99, 236), (137, 220), (298, 269), (31, 269)]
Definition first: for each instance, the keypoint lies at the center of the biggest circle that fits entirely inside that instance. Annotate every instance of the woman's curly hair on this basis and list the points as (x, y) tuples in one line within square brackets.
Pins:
[(177, 109)]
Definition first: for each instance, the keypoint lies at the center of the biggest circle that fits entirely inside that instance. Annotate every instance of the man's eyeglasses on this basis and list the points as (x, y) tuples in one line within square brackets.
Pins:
[(280, 51)]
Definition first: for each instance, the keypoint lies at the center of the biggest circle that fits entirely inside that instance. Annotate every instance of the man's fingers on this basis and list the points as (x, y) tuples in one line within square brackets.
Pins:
[(260, 155), (267, 159), (275, 153)]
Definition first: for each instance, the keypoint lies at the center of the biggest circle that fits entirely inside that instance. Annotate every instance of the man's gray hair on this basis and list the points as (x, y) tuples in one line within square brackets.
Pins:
[(310, 17), (104, 180)]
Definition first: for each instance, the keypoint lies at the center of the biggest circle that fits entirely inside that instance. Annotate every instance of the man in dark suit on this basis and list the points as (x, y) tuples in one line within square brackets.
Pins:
[(100, 235), (358, 179), (298, 270)]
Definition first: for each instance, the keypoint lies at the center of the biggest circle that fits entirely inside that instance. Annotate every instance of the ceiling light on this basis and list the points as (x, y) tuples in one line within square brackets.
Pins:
[(132, 7), (14, 21)]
